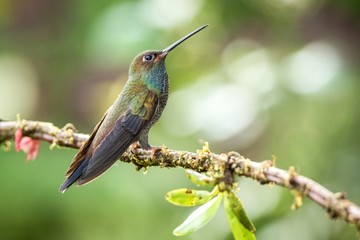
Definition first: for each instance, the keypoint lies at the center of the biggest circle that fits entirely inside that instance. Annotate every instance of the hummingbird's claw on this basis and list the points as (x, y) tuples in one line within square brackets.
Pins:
[(134, 146), (154, 150)]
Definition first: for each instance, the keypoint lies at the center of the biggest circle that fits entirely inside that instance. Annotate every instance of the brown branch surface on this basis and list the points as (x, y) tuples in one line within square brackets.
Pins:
[(223, 167)]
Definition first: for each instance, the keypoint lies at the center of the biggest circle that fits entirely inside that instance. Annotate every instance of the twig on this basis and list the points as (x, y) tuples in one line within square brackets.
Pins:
[(215, 165)]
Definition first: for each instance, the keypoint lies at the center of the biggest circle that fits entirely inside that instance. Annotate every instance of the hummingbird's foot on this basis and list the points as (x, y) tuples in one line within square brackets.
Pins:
[(154, 150), (134, 146)]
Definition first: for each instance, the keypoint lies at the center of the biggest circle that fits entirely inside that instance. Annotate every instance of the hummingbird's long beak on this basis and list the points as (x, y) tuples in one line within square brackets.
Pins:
[(175, 44)]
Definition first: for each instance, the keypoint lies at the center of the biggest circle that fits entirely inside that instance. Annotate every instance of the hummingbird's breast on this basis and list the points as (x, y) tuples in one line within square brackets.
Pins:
[(162, 101)]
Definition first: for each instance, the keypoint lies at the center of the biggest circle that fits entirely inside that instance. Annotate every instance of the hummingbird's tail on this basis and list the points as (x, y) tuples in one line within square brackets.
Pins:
[(74, 176)]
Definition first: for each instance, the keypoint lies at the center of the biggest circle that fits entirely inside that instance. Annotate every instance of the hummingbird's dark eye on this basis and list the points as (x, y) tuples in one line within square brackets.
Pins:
[(149, 57)]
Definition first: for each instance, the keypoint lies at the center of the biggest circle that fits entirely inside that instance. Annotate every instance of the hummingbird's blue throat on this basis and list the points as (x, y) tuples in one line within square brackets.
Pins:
[(154, 79)]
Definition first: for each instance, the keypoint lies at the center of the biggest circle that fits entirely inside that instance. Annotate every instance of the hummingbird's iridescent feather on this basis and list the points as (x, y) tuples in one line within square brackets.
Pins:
[(126, 131), (113, 146), (109, 141)]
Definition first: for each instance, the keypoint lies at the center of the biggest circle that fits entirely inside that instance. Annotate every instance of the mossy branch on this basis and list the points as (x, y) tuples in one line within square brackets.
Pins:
[(223, 167)]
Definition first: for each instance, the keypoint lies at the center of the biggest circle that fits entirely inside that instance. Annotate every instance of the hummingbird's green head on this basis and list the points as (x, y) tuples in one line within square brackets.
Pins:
[(149, 66), (146, 61), (150, 59)]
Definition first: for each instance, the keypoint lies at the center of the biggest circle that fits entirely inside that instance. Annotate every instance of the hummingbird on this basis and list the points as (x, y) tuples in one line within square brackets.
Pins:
[(129, 119)]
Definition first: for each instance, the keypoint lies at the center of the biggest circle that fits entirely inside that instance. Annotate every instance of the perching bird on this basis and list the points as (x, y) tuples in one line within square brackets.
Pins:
[(128, 120)]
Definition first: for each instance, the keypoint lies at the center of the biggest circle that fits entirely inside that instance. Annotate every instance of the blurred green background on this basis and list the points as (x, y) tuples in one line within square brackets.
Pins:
[(266, 77)]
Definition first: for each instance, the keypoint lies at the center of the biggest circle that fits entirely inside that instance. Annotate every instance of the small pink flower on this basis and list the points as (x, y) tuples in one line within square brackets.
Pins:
[(26, 144), (18, 137)]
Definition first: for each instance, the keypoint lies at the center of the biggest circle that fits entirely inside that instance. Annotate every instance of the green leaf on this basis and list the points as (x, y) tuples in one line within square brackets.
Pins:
[(189, 197), (199, 217), (241, 226), (200, 179)]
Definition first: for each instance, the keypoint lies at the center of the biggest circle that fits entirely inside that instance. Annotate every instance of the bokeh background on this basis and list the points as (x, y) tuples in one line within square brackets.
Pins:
[(274, 77)]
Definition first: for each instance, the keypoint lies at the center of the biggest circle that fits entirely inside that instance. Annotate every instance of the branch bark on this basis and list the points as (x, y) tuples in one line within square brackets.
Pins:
[(223, 167)]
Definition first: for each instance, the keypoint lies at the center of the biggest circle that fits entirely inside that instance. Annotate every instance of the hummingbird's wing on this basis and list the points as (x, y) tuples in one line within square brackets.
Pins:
[(81, 154), (112, 146), (125, 131), (81, 159), (92, 160)]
